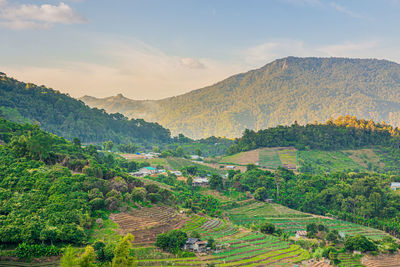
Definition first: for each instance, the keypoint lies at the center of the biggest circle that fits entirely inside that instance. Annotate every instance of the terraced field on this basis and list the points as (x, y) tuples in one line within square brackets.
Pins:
[(145, 224), (291, 221), (241, 247), (381, 261)]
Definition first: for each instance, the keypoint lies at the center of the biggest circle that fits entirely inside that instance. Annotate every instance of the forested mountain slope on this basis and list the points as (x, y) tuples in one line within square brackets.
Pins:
[(63, 115), (286, 90)]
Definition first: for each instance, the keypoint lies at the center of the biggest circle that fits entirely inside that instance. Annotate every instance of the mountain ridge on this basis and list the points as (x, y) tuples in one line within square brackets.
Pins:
[(281, 92), (63, 115)]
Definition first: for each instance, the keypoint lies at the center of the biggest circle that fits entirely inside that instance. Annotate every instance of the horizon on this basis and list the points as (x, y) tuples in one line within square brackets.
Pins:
[(142, 50)]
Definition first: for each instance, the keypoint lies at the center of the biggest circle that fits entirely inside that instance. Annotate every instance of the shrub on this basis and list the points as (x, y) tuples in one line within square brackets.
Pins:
[(27, 251), (267, 228), (171, 241), (361, 243), (154, 197)]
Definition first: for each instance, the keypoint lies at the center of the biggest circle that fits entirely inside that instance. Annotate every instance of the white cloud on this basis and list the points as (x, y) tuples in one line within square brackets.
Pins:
[(345, 10), (27, 16), (191, 63)]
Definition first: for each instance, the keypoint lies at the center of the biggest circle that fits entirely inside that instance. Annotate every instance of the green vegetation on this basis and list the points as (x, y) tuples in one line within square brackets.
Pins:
[(342, 133), (55, 192), (269, 158), (286, 90), (362, 198), (65, 116)]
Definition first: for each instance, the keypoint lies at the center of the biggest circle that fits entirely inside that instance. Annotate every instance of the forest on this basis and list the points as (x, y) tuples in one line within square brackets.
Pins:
[(65, 116), (345, 132)]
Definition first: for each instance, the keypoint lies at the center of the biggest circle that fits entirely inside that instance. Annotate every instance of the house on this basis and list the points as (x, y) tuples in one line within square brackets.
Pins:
[(200, 246), (269, 200), (200, 181), (195, 244), (145, 171), (230, 167), (148, 170), (195, 157), (190, 243), (177, 173), (301, 234), (395, 186)]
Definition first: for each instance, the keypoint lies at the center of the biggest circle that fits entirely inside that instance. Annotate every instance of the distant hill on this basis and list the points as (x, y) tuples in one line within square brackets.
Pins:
[(286, 90), (63, 115)]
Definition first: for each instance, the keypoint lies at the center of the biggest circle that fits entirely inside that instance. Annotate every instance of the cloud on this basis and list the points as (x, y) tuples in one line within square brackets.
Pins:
[(191, 63), (27, 16), (127, 66), (345, 10)]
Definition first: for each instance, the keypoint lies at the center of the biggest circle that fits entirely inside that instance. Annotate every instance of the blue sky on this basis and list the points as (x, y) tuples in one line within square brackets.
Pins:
[(154, 49)]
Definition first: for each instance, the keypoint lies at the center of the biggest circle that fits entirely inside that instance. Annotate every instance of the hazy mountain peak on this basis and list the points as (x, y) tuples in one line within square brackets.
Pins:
[(285, 90)]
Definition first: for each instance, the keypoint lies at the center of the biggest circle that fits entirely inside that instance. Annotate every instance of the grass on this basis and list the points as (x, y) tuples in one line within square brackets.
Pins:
[(232, 159), (328, 161), (269, 158), (108, 232), (288, 156)]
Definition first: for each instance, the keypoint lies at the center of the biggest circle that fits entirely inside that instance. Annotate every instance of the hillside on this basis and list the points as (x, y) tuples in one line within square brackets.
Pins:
[(63, 115), (286, 90)]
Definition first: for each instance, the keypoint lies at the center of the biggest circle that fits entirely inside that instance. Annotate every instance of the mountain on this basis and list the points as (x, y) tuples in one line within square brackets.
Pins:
[(286, 90), (63, 115)]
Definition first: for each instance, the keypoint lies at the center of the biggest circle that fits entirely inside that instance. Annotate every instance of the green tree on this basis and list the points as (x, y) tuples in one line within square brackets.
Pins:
[(77, 142), (261, 193), (122, 257), (198, 152), (360, 243), (87, 258), (216, 182), (312, 229), (108, 145), (267, 228), (68, 259)]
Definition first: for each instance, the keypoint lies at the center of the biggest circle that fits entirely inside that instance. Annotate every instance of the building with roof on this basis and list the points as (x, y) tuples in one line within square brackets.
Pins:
[(395, 185), (200, 181)]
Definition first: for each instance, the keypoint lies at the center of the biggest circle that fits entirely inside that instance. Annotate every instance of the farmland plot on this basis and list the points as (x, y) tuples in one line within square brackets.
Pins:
[(145, 224), (242, 247), (291, 220)]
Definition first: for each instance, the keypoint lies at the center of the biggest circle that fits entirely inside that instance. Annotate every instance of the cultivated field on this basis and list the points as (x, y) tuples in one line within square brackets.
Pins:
[(291, 221), (146, 223), (269, 157), (381, 261), (346, 160), (242, 247)]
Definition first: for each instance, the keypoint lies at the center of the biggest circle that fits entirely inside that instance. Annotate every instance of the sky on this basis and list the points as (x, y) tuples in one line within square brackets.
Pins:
[(152, 49)]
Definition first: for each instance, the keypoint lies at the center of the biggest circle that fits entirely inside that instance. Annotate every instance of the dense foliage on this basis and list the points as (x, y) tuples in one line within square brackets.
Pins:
[(65, 116), (342, 133), (52, 190), (288, 89)]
